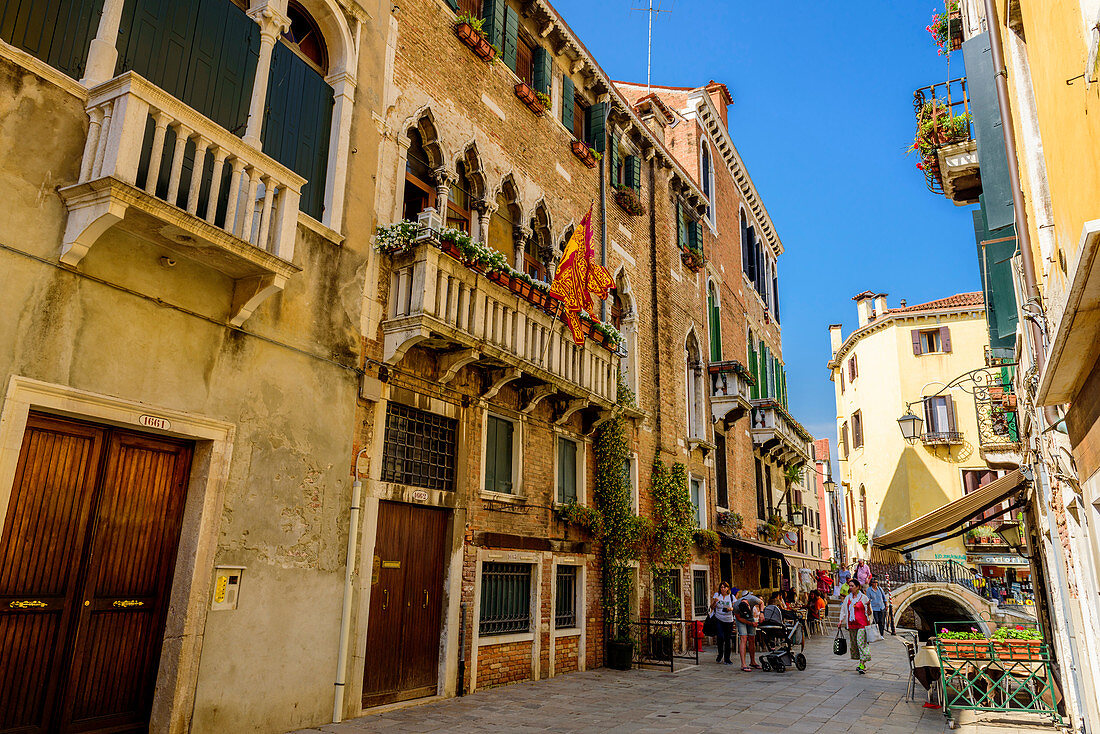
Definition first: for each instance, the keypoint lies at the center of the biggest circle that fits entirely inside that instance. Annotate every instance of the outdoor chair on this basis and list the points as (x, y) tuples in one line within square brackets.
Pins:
[(911, 654)]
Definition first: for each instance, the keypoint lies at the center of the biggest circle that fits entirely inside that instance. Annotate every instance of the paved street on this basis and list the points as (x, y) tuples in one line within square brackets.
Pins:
[(829, 696)]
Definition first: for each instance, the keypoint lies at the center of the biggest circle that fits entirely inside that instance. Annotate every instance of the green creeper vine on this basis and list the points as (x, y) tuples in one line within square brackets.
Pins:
[(673, 515), (619, 526)]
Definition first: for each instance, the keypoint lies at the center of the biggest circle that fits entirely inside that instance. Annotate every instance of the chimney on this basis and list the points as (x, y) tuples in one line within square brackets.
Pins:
[(863, 307), (902, 303), (835, 338), (720, 97), (880, 304)]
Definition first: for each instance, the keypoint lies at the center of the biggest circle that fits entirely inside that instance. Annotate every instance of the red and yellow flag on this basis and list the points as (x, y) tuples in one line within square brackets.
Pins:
[(578, 276)]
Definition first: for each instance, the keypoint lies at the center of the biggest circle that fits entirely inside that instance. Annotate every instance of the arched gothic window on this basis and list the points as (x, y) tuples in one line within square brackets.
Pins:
[(693, 378), (714, 319)]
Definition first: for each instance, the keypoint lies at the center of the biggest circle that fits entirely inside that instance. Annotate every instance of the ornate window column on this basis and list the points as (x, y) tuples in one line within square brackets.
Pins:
[(443, 180), (485, 211), (521, 236), (273, 22), (102, 54)]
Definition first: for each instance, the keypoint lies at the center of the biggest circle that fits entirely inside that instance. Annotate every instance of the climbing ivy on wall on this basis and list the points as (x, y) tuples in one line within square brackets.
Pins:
[(673, 515), (618, 528)]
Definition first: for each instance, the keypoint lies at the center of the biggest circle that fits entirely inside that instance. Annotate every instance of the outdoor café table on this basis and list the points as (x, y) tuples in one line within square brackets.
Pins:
[(926, 668)]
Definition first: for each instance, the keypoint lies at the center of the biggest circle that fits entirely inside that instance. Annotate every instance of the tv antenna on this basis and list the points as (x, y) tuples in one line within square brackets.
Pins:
[(646, 6)]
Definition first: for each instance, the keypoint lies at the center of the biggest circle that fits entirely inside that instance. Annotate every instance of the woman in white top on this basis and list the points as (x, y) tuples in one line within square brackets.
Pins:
[(855, 614), (722, 606)]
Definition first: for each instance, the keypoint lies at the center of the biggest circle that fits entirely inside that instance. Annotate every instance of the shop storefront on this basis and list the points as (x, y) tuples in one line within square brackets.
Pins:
[(1007, 575)]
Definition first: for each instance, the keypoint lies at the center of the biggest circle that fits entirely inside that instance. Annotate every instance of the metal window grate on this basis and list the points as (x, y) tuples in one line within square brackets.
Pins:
[(666, 593), (565, 606), (505, 598), (699, 597), (420, 448)]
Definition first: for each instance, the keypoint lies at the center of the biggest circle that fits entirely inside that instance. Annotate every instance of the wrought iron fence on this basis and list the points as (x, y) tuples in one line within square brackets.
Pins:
[(661, 642), (995, 405), (931, 437), (929, 572)]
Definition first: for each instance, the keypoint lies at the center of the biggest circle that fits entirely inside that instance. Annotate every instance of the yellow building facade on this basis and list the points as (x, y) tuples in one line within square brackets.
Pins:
[(900, 360)]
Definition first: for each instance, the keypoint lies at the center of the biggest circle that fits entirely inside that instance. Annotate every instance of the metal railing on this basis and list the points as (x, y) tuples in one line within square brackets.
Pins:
[(931, 572), (996, 408), (949, 99), (941, 437), (996, 675), (661, 642)]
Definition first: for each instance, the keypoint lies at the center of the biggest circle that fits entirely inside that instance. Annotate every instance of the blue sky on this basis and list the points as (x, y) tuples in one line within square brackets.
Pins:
[(822, 116)]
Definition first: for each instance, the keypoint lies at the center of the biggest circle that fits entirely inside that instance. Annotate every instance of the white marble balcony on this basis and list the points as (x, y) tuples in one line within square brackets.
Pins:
[(235, 211), (779, 436), (730, 386)]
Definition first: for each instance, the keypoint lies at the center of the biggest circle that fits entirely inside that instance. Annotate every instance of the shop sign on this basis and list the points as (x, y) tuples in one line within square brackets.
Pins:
[(1006, 560), (950, 557)]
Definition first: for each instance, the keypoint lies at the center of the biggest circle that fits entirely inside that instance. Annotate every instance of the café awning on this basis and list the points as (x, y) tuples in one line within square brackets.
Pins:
[(793, 558), (947, 520)]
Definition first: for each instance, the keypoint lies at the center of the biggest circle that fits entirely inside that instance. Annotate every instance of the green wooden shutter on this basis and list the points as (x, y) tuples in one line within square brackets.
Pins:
[(541, 70), (453, 4), (696, 234), (715, 327), (492, 11), (681, 226), (567, 95), (297, 123), (754, 370), (511, 37), (504, 456), (490, 457), (614, 153), (633, 172), (594, 125), (55, 31)]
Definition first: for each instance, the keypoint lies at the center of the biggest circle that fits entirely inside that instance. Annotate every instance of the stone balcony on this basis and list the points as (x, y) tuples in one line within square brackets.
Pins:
[(440, 304), (730, 384), (139, 173), (777, 435), (960, 172)]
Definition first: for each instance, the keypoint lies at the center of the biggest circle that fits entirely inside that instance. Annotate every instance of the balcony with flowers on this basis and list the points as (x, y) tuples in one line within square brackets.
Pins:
[(945, 145), (462, 300)]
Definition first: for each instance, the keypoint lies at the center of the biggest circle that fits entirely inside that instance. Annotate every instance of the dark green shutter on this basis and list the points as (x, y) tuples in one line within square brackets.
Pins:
[(614, 153), (995, 252), (567, 102), (697, 234), (632, 172), (681, 226), (511, 37), (492, 12), (594, 126), (715, 327), (55, 31), (541, 70), (453, 4), (504, 456), (988, 132), (754, 391), (297, 122)]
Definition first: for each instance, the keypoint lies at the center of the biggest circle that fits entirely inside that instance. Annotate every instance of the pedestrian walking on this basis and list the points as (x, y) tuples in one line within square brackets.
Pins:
[(722, 606), (853, 615), (863, 573), (842, 577), (878, 605), (747, 608)]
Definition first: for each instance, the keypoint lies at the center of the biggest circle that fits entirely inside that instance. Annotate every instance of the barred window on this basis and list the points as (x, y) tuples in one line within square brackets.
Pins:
[(699, 592), (565, 606), (420, 448), (505, 598), (666, 593)]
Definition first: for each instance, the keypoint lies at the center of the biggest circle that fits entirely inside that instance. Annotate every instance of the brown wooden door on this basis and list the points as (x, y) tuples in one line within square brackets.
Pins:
[(406, 606), (86, 561)]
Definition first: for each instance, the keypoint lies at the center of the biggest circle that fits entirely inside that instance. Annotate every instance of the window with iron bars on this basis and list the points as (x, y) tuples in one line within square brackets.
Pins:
[(420, 448), (505, 598), (700, 602), (565, 606), (666, 593)]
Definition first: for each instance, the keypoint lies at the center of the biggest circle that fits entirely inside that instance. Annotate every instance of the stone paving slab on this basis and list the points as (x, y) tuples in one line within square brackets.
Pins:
[(828, 697)]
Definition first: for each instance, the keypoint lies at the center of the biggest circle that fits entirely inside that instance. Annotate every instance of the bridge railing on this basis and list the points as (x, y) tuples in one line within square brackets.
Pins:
[(930, 572)]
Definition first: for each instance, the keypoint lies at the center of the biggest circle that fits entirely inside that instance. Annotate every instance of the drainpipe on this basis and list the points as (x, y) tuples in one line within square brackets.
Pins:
[(345, 615), (653, 293)]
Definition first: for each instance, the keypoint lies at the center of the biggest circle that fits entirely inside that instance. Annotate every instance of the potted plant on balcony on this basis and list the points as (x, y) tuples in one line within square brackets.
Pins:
[(470, 31), (861, 537), (946, 29), (937, 127), (392, 239), (630, 200), (587, 156), (693, 258), (529, 97)]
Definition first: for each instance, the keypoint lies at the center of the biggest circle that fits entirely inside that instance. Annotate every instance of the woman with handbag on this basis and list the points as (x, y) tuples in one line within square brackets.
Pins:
[(854, 614), (721, 607)]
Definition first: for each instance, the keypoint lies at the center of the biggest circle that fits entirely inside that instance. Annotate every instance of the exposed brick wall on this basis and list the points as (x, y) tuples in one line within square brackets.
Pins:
[(498, 665), (566, 651)]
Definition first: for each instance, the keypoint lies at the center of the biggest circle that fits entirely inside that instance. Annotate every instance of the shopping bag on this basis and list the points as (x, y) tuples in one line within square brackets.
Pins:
[(873, 634), (840, 645)]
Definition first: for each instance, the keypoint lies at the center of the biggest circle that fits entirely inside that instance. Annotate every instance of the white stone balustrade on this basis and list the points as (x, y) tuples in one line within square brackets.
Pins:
[(777, 435), (730, 391), (436, 301), (252, 241)]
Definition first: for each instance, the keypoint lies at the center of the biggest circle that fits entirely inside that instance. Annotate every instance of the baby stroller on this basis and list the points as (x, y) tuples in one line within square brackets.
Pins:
[(778, 633)]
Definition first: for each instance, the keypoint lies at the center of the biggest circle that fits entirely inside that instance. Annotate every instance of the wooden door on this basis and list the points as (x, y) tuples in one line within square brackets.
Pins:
[(406, 607), (86, 561)]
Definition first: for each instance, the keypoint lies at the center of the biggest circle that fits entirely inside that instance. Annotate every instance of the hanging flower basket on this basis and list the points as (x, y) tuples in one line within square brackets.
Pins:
[(630, 200), (584, 154), (946, 29), (693, 259), (529, 97)]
